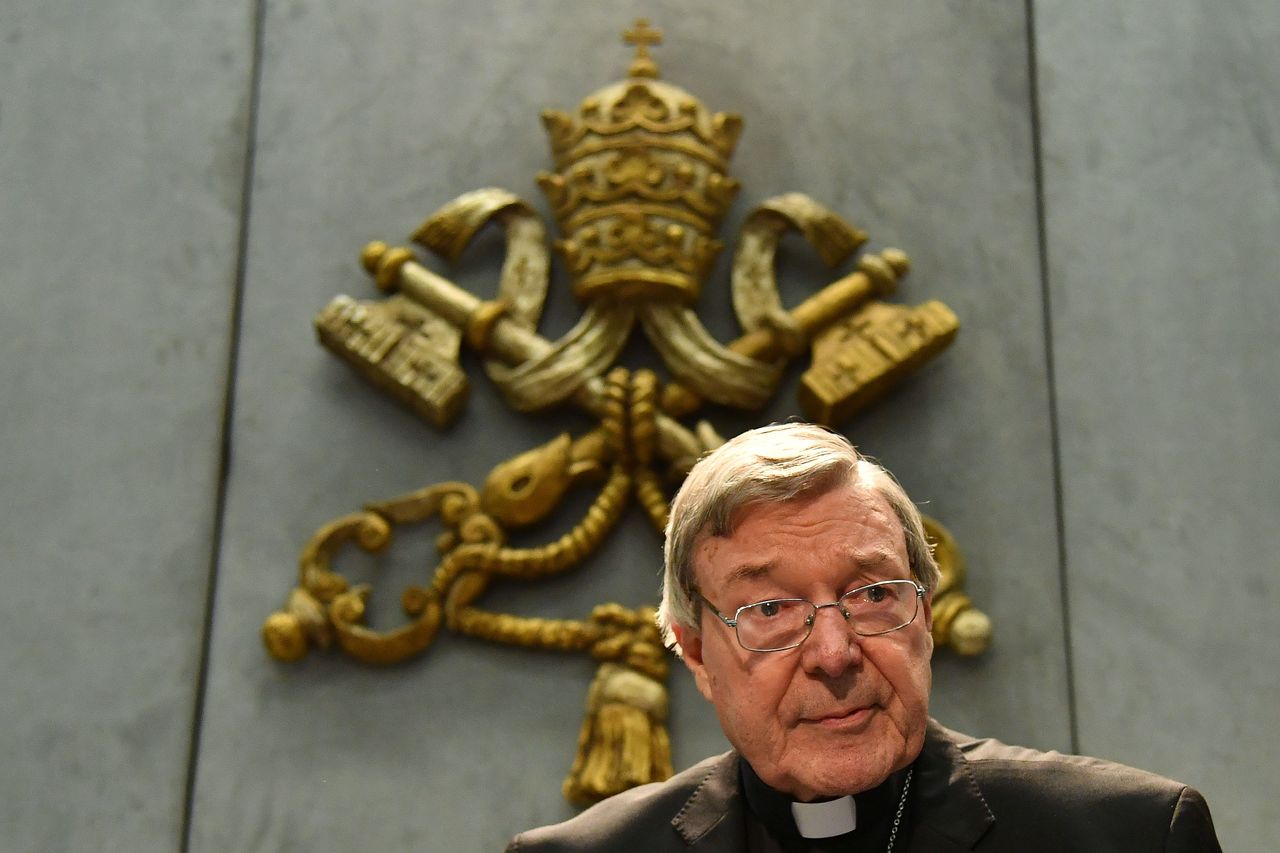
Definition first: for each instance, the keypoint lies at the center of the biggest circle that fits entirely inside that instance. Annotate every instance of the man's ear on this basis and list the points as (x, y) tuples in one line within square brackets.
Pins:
[(690, 643), (928, 611)]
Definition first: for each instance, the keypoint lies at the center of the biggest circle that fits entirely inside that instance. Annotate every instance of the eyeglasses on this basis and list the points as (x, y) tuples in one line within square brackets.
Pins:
[(784, 623)]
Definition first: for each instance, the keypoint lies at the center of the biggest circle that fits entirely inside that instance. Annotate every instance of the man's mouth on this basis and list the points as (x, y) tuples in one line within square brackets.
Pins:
[(845, 718)]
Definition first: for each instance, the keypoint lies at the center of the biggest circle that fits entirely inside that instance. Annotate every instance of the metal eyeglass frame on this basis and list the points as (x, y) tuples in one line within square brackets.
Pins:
[(813, 617)]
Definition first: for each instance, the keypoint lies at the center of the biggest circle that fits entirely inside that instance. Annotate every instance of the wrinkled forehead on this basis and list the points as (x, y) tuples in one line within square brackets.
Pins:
[(724, 519), (863, 493)]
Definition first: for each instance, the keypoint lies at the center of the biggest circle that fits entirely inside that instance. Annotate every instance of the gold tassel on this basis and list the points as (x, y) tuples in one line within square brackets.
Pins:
[(623, 741)]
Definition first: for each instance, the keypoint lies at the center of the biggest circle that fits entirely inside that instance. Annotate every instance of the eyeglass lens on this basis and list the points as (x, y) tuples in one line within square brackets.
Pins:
[(784, 623)]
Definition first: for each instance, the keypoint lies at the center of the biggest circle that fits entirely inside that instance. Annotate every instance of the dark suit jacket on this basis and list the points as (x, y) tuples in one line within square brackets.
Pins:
[(967, 795)]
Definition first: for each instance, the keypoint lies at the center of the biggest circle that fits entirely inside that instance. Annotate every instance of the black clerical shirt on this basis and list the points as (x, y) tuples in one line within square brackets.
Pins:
[(771, 827)]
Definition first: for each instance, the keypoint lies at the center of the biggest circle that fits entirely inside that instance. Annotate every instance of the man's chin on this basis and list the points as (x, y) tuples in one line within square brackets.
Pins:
[(834, 768), (825, 779)]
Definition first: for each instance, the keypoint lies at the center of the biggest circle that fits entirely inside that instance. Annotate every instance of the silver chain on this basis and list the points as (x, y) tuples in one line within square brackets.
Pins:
[(902, 804)]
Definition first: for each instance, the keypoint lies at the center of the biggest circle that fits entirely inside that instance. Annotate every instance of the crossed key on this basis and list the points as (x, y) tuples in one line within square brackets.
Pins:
[(408, 344)]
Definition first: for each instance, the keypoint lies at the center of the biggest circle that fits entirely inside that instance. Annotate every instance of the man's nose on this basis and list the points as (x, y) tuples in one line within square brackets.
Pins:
[(832, 646)]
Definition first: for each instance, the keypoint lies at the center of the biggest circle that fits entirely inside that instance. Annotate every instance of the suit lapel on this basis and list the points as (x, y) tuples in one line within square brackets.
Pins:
[(713, 818), (950, 812)]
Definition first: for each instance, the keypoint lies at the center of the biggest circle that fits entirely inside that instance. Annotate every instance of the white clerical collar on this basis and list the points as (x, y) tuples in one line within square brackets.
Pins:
[(824, 820)]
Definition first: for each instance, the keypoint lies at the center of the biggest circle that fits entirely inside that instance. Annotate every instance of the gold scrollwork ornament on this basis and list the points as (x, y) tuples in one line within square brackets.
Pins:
[(640, 185)]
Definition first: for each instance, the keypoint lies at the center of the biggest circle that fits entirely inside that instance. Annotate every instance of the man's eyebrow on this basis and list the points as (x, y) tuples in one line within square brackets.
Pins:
[(873, 558), (861, 562), (748, 572)]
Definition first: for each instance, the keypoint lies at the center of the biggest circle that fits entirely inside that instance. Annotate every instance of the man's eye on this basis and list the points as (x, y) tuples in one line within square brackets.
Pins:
[(768, 608), (877, 594)]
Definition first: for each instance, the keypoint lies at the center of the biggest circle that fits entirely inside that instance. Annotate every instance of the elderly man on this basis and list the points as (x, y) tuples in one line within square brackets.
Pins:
[(797, 590)]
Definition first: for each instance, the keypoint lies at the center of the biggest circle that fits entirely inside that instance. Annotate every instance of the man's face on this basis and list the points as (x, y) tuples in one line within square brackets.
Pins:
[(841, 712)]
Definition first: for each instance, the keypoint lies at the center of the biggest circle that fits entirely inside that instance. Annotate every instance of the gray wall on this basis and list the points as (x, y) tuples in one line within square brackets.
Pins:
[(1093, 188)]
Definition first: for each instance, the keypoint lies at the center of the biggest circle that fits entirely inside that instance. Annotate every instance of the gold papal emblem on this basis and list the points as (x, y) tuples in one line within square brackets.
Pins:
[(640, 185)]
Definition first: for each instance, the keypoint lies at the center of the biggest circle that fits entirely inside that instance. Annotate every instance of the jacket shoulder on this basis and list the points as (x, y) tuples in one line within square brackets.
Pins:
[(1068, 777), (1094, 801), (640, 816)]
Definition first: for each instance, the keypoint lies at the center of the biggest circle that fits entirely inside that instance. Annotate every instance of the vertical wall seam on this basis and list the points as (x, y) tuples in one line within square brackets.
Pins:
[(1055, 442), (257, 11)]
